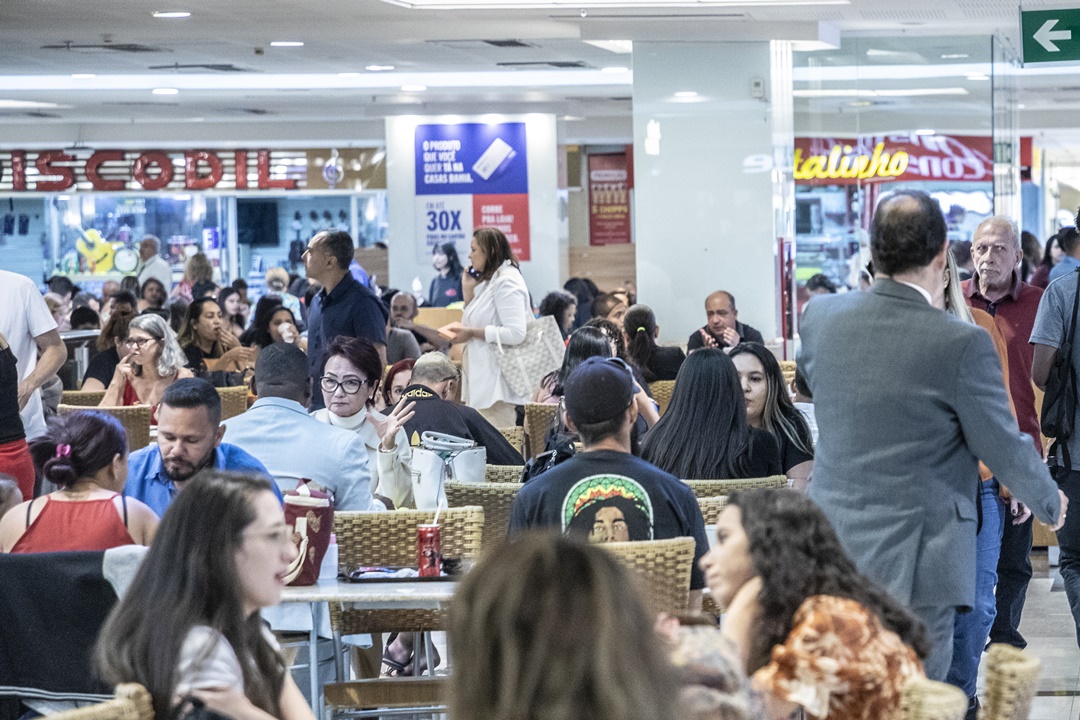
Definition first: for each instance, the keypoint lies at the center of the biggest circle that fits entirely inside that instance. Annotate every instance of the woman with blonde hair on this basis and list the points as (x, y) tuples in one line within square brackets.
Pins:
[(153, 361), (548, 627), (197, 270)]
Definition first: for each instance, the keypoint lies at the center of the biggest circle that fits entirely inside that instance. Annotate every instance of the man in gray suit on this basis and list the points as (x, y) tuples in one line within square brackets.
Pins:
[(908, 399)]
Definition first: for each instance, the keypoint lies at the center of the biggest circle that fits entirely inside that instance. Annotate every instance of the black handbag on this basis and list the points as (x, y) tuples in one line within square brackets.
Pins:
[(1059, 400), (224, 378)]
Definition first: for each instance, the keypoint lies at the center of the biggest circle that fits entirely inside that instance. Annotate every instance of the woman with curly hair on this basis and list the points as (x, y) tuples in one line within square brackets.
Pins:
[(812, 631), (769, 407)]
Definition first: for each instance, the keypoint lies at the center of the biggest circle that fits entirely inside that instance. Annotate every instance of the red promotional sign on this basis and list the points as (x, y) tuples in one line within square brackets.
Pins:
[(609, 199), (893, 158), (509, 213)]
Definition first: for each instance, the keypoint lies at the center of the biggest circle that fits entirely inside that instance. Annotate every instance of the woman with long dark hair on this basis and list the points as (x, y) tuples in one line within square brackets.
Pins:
[(231, 303), (274, 323), (189, 624), (1040, 278), (204, 335), (812, 631), (85, 455), (446, 285), (550, 627), (657, 362), (769, 407), (582, 344), (704, 434), (562, 306)]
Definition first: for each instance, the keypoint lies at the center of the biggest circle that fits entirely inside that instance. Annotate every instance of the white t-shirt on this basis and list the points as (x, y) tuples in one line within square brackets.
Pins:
[(23, 317), (208, 662)]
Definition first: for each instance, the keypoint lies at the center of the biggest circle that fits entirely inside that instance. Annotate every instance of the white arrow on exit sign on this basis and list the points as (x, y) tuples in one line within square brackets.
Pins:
[(1046, 35)]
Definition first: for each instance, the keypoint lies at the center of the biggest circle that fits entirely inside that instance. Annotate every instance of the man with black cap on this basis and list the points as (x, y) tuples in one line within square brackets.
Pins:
[(605, 493)]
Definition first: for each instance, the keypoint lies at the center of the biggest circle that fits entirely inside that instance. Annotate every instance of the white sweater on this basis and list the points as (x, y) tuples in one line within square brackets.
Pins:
[(500, 306)]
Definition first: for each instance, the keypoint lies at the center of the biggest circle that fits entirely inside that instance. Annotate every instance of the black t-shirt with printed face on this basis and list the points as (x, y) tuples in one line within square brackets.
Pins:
[(610, 496)]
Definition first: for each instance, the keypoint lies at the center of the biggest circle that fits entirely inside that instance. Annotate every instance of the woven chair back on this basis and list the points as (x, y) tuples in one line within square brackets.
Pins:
[(496, 498), (132, 702), (538, 417), (85, 398), (711, 508), (661, 391), (516, 437), (1012, 676), (134, 418), (715, 488), (233, 401), (503, 473), (924, 699), (663, 567)]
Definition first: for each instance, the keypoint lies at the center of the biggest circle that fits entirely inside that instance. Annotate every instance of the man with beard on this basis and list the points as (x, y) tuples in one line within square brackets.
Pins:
[(189, 440)]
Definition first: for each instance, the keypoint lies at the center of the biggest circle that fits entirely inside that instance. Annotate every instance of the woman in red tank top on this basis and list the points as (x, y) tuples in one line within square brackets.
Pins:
[(85, 455)]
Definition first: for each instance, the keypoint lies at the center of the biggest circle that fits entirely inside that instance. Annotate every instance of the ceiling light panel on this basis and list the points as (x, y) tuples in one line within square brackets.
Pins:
[(600, 4), (171, 14)]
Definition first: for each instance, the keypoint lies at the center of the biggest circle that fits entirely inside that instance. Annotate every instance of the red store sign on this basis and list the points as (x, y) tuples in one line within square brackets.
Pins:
[(118, 170)]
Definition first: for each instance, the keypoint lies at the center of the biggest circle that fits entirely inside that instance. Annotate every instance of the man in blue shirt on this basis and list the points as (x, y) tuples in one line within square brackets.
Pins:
[(342, 307), (1069, 242), (189, 440)]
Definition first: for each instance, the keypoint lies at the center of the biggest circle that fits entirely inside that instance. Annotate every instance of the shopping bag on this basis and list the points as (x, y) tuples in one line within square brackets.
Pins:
[(310, 514), (441, 458)]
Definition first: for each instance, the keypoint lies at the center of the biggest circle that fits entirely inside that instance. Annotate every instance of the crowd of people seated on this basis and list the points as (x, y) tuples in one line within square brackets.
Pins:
[(835, 591)]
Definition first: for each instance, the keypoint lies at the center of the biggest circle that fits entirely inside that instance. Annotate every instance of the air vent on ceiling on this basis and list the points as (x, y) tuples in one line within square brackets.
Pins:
[(141, 103), (105, 47), (247, 111), (508, 43), (38, 115), (1065, 89), (582, 98), (212, 67), (591, 17), (561, 64)]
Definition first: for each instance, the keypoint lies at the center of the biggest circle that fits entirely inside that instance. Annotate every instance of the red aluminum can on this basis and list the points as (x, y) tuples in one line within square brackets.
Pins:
[(428, 550)]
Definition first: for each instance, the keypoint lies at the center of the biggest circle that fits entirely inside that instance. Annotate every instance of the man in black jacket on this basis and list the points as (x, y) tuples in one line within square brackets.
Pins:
[(432, 381), (722, 328)]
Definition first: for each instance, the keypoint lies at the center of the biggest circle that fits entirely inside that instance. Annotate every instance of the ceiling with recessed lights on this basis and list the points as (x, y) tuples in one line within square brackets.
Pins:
[(79, 70)]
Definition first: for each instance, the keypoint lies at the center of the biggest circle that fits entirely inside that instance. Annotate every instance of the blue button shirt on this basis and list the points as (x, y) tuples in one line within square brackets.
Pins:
[(1066, 265), (147, 482)]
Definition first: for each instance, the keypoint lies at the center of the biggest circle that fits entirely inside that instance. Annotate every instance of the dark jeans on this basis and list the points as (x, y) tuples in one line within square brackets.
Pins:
[(1069, 541), (1014, 574)]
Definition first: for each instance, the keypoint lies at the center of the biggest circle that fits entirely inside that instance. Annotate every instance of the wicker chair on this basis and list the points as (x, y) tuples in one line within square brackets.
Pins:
[(495, 498), (538, 417), (663, 566), (233, 401), (711, 507), (134, 418), (84, 398), (924, 699), (1011, 678), (389, 538), (515, 436), (715, 488), (503, 473), (132, 702), (417, 696), (661, 391)]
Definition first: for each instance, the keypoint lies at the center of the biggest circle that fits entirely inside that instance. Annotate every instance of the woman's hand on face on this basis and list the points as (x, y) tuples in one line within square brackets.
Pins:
[(227, 339), (124, 369), (467, 280), (745, 599), (402, 413)]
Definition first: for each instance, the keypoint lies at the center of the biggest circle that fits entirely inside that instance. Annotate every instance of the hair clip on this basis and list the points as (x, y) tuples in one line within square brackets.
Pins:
[(63, 451)]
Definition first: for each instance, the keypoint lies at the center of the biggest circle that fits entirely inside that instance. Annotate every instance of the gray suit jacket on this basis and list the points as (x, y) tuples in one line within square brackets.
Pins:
[(907, 397)]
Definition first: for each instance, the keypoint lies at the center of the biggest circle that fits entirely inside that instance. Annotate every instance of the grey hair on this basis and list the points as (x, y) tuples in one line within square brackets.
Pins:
[(154, 239), (172, 359), (1000, 222)]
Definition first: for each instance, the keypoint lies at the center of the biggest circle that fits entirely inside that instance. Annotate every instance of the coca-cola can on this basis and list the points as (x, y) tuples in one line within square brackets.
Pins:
[(428, 550)]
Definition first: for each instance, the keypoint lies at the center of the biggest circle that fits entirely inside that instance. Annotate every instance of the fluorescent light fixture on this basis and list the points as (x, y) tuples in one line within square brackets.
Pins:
[(413, 88), (348, 74), (620, 47), (615, 70), (873, 52), (572, 118), (165, 91), (83, 76), (686, 94), (860, 103), (379, 68), (26, 105), (853, 93), (1020, 106), (286, 43), (597, 4), (171, 14), (955, 56), (978, 76), (812, 45), (925, 131)]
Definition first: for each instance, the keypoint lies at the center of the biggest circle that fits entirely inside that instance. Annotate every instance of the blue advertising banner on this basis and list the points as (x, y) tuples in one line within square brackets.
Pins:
[(471, 159), (468, 176)]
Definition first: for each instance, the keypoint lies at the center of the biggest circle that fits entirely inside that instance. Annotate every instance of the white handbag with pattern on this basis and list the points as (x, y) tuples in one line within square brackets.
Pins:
[(524, 366)]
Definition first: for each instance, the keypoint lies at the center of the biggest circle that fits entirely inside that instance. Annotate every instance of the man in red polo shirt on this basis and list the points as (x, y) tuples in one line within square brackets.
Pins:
[(996, 287)]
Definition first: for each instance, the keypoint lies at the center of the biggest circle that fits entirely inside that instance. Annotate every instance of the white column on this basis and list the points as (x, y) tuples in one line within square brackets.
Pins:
[(709, 118)]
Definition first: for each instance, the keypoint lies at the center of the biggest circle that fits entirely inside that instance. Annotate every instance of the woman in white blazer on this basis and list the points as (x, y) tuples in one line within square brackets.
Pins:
[(497, 308)]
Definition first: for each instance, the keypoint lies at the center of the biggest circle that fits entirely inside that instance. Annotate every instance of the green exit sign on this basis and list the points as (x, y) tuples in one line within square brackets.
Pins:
[(1050, 35)]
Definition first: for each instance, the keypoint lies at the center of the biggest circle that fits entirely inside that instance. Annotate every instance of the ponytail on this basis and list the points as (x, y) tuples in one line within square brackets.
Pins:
[(78, 445), (639, 324)]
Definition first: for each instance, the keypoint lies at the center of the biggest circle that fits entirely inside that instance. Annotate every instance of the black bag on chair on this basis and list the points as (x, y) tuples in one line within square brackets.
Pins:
[(1059, 401)]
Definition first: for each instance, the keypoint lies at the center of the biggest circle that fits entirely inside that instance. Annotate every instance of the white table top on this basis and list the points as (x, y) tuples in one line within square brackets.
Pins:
[(414, 595)]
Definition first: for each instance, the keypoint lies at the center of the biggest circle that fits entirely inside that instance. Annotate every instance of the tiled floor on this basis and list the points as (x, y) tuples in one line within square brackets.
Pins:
[(1048, 628)]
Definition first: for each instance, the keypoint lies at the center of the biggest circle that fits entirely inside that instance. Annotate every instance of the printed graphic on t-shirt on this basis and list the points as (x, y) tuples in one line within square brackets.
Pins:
[(608, 508)]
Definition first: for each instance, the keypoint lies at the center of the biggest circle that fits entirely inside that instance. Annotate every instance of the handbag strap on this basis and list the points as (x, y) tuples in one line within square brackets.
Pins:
[(1066, 357), (1071, 337)]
